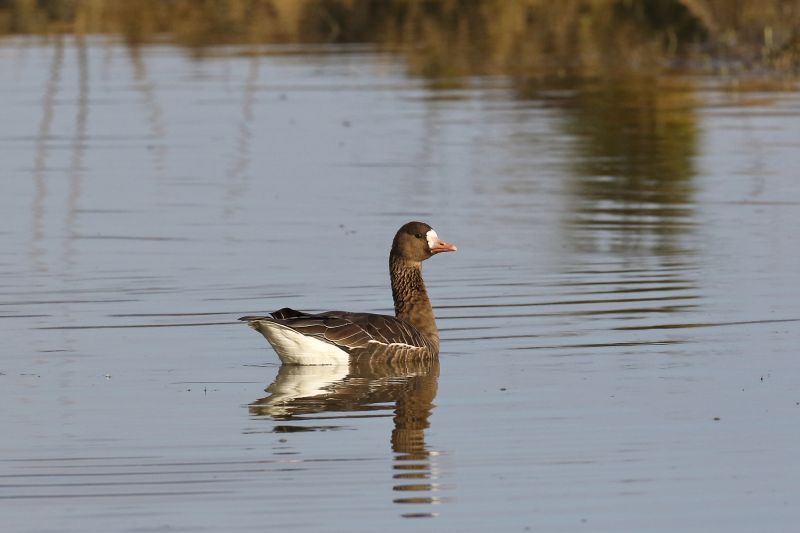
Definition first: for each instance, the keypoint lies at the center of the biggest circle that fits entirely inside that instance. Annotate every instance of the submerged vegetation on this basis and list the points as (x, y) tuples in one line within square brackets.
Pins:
[(451, 38)]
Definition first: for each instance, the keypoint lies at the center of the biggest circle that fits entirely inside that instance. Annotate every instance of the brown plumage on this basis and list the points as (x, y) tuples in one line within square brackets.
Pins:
[(336, 337)]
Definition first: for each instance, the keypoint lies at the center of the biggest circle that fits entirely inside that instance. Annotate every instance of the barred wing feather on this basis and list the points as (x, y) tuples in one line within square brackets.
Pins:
[(359, 334)]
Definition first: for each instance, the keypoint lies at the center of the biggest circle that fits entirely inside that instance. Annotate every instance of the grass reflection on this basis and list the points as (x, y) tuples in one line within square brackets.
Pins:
[(453, 38), (636, 134), (636, 142), (639, 135)]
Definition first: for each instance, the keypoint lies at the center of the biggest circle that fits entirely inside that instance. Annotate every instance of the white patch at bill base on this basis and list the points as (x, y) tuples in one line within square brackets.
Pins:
[(433, 239)]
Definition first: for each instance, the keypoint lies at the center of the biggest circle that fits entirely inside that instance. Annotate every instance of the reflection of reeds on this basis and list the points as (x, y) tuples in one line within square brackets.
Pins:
[(456, 37), (78, 148), (635, 164), (642, 133), (153, 113), (41, 153), (237, 174)]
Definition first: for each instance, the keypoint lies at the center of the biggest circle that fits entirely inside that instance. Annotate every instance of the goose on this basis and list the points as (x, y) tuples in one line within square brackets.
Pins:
[(341, 337)]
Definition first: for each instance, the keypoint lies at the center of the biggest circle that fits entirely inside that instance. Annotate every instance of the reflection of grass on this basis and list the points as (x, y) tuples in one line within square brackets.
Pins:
[(634, 163), (642, 135), (448, 38)]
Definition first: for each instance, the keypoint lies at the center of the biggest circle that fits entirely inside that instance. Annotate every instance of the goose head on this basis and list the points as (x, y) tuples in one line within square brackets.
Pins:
[(417, 241)]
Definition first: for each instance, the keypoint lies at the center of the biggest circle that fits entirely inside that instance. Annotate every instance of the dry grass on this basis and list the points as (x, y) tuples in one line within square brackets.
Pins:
[(450, 38)]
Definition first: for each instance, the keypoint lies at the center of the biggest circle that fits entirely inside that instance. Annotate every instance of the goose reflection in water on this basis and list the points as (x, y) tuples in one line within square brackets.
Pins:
[(368, 386)]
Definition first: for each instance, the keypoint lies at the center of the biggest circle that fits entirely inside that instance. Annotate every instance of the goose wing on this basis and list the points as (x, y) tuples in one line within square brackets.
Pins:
[(356, 333)]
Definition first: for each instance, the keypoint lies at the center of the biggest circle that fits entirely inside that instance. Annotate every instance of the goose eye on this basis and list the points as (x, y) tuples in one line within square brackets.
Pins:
[(418, 235)]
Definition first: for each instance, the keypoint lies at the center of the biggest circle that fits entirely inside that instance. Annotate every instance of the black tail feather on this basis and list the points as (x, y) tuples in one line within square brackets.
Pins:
[(286, 312)]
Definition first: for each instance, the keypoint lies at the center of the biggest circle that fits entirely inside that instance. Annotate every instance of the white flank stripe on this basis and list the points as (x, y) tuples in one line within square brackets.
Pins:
[(404, 345)]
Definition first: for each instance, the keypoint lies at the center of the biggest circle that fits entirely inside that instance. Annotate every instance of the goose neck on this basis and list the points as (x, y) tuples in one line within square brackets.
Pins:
[(411, 302)]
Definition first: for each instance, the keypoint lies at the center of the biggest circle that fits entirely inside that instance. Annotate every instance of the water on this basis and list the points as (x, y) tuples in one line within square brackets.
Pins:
[(619, 326)]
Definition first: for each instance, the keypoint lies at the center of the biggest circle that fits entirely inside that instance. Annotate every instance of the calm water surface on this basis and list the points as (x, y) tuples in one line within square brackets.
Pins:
[(620, 325)]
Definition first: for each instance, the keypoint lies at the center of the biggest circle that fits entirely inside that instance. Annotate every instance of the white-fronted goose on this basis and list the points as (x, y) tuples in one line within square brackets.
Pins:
[(337, 337)]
